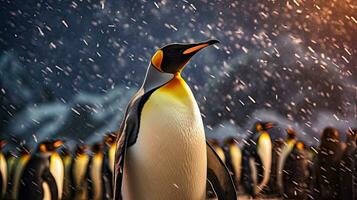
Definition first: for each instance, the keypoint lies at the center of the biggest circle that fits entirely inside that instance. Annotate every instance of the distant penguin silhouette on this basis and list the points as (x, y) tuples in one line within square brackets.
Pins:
[(67, 184), (109, 157), (273, 189), (3, 171), (10, 161), (38, 180), (347, 166), (327, 166), (79, 172), (257, 159), (296, 173), (285, 151), (233, 159), (218, 149), (19, 166), (95, 173)]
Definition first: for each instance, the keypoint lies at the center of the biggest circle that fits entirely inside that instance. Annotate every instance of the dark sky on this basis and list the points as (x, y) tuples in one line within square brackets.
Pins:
[(287, 61)]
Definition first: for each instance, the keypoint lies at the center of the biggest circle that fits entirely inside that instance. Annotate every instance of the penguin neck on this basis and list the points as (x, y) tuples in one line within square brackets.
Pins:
[(177, 88)]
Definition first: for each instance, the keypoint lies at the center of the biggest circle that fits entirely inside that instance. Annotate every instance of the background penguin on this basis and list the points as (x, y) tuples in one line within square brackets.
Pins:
[(296, 174), (347, 165), (79, 171), (3, 171), (67, 184), (19, 165), (326, 166), (218, 149), (233, 159), (37, 181), (57, 168), (285, 151), (95, 172), (109, 158), (273, 188), (161, 147), (10, 161), (257, 159)]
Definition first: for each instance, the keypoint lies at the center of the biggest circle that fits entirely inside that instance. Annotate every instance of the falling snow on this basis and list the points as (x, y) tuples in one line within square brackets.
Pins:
[(285, 61)]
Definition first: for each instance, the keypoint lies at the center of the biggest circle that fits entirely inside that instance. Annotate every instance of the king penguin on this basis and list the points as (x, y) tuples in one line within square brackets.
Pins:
[(347, 166), (285, 151), (109, 157), (67, 184), (257, 159), (161, 146), (40, 179), (79, 172), (95, 173), (233, 158), (19, 166), (327, 166), (218, 149), (3, 171), (296, 173)]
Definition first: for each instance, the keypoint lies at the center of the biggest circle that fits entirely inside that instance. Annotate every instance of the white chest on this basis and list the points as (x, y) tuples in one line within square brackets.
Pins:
[(168, 160)]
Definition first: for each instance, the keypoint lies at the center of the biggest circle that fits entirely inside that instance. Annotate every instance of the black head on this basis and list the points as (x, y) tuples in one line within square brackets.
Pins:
[(109, 139), (263, 126), (291, 133), (81, 149), (330, 134), (173, 57), (49, 145), (97, 147)]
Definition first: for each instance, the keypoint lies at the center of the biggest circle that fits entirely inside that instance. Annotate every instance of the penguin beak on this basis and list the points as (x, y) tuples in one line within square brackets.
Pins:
[(194, 48)]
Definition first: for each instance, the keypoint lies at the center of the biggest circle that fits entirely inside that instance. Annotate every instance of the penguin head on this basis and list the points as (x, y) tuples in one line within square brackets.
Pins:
[(50, 145), (81, 149), (213, 142), (330, 135), (97, 147), (2, 144), (291, 134), (230, 141), (263, 126), (109, 139), (65, 152), (173, 57)]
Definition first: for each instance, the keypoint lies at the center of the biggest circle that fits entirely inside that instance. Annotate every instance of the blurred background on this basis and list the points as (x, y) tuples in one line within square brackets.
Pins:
[(69, 68)]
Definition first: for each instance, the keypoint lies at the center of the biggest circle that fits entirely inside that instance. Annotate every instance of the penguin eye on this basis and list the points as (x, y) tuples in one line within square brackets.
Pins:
[(157, 59)]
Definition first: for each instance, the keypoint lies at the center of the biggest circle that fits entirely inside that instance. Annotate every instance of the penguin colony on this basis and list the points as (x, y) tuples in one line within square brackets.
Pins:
[(328, 171), (160, 152)]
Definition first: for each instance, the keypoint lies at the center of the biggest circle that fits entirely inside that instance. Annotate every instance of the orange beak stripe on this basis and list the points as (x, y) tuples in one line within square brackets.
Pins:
[(195, 48)]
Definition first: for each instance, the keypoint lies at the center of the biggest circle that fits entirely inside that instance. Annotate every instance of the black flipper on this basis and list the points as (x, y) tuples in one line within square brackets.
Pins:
[(50, 180), (127, 136), (218, 175)]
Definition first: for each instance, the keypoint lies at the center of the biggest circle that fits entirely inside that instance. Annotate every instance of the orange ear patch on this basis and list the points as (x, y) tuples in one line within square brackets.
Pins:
[(195, 48), (58, 143), (43, 148), (157, 59)]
